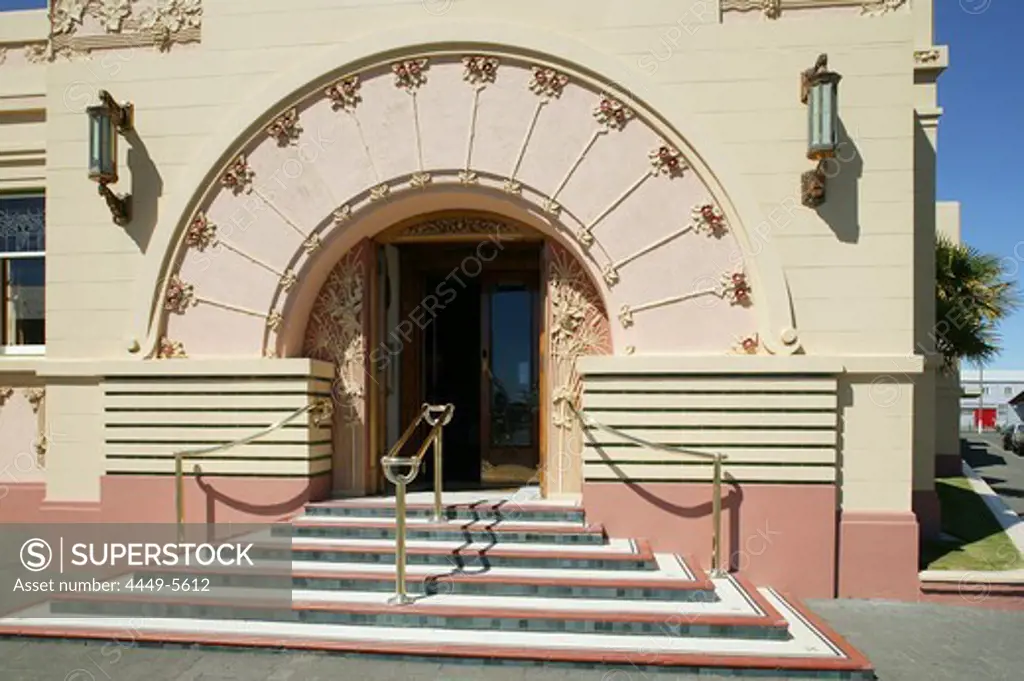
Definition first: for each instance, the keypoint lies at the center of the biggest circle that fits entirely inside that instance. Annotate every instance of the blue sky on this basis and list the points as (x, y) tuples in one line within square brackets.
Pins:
[(979, 142), (979, 145)]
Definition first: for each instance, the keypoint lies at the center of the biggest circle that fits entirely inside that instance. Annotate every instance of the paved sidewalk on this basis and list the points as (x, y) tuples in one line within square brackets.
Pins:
[(907, 642), (1002, 470)]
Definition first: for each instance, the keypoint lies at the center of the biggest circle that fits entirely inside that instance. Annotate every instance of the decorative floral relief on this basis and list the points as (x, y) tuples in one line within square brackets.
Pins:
[(626, 316), (343, 214), (67, 15), (35, 397), (512, 186), (169, 349), (579, 327), (311, 243), (707, 219), (480, 70), (42, 446), (772, 9), (380, 192), (5, 394), (667, 160), (239, 176), (611, 275), (410, 74), (612, 113), (735, 288), (420, 180), (335, 331), (180, 296), (747, 346), (274, 321), (113, 13), (548, 82), (468, 177), (285, 128), (460, 227), (585, 237), (201, 232), (170, 17), (880, 7), (288, 280), (344, 94)]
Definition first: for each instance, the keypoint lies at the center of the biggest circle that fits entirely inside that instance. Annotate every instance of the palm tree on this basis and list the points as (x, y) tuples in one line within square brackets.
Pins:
[(972, 295)]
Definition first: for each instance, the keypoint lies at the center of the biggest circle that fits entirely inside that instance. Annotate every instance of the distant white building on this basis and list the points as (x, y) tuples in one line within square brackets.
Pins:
[(992, 392)]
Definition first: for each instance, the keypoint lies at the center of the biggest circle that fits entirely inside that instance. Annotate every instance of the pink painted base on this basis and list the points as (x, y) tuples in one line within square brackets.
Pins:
[(928, 512), (150, 499), (948, 466), (777, 535), (878, 555)]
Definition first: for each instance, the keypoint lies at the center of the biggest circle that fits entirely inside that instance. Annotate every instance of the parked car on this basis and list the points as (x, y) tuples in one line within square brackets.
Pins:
[(1013, 438)]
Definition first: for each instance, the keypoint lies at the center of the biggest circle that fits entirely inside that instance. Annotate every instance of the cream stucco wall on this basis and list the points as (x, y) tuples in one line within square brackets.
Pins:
[(728, 88)]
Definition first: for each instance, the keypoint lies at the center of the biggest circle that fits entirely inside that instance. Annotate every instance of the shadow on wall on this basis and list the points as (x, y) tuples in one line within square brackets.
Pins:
[(841, 210), (147, 188)]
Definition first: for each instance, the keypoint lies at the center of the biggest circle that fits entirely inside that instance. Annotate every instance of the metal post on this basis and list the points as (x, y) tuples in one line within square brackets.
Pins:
[(716, 518), (400, 597), (981, 398), (179, 495), (438, 477)]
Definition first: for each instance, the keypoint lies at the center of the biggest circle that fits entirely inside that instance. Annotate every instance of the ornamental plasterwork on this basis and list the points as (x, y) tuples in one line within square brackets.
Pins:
[(239, 176), (179, 296), (748, 345), (170, 349), (578, 327), (548, 82), (706, 218), (667, 160), (344, 94), (480, 70), (460, 227), (5, 394), (201, 232), (774, 9), (285, 128), (80, 26), (35, 397), (613, 114), (735, 288), (927, 56), (410, 74), (335, 331)]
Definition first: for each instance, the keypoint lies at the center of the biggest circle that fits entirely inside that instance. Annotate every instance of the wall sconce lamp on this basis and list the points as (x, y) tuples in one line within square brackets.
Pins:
[(819, 90), (106, 121)]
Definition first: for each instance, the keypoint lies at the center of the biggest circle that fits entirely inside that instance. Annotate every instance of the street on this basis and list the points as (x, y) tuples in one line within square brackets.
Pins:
[(1002, 470)]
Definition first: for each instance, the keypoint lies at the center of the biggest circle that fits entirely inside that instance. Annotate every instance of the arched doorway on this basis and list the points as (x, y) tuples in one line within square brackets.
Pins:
[(467, 308)]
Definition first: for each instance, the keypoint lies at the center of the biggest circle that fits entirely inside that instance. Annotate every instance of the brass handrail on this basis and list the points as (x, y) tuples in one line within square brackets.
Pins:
[(323, 407), (437, 416), (716, 478)]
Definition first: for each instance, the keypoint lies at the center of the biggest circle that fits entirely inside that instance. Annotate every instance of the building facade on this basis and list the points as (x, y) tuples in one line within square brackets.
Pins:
[(525, 209), (987, 396)]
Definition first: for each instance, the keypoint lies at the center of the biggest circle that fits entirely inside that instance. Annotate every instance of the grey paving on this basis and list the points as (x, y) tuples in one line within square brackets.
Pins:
[(907, 642), (1002, 470)]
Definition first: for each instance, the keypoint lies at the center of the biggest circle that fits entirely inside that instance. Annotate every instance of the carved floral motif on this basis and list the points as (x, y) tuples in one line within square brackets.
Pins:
[(170, 17), (66, 15), (285, 128), (335, 331), (748, 345), (344, 94), (880, 7), (548, 82), (736, 289), (410, 74), (578, 327), (667, 160), (169, 349), (5, 394), (612, 113), (180, 296), (239, 176), (35, 397), (707, 219), (343, 214), (274, 321), (480, 70), (460, 227), (113, 13), (201, 232)]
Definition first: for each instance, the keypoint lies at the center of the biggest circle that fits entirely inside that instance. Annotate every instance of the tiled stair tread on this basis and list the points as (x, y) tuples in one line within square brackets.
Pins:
[(672, 572), (613, 548), (733, 601), (455, 500), (811, 645), (450, 524)]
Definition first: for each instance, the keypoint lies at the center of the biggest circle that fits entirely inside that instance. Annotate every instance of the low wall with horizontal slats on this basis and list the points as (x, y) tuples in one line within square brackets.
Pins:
[(181, 405), (772, 427)]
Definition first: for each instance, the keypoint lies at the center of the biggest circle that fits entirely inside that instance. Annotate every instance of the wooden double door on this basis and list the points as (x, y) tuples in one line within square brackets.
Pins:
[(475, 343)]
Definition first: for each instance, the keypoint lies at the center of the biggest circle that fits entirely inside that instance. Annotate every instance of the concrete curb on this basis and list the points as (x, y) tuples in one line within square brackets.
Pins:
[(1007, 518)]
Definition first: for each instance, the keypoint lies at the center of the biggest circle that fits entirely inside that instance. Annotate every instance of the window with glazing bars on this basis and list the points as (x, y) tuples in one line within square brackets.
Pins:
[(22, 269)]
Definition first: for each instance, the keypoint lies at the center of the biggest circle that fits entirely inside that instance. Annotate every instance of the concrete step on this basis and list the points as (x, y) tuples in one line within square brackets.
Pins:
[(674, 580), (738, 612), (525, 511), (811, 647), (492, 531), (616, 554)]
